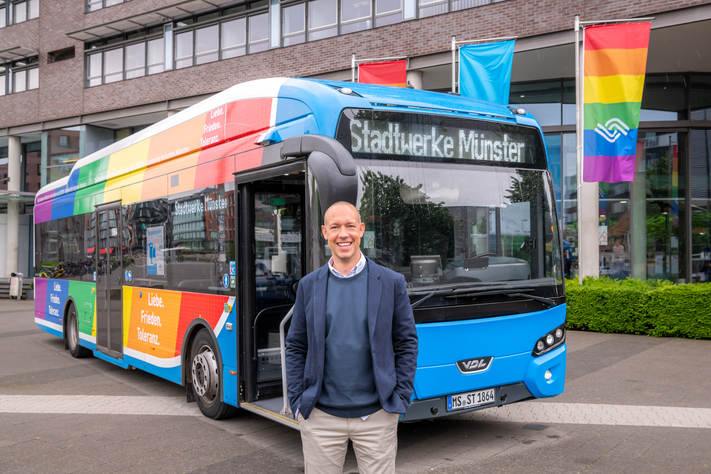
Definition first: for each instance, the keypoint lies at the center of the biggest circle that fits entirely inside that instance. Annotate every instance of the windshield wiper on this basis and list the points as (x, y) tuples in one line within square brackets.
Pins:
[(455, 288), (518, 292), (422, 300), (483, 290), (542, 299)]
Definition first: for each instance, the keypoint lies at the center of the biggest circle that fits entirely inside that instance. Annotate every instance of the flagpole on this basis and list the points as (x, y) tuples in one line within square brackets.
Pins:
[(454, 59), (579, 143), (353, 67), (580, 126)]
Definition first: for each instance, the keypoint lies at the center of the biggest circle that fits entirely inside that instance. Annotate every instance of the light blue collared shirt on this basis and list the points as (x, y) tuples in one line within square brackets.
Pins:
[(356, 270)]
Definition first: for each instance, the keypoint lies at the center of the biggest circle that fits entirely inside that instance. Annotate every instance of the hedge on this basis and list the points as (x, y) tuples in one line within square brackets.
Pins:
[(653, 307)]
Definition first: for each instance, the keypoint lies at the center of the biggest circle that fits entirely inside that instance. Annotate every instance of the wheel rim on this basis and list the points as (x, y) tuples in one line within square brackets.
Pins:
[(73, 337), (204, 374)]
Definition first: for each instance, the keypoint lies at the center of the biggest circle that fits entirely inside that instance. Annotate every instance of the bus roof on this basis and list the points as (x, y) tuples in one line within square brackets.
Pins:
[(277, 108)]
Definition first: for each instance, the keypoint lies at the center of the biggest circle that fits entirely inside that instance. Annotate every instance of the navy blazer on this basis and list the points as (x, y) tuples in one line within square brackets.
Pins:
[(393, 340)]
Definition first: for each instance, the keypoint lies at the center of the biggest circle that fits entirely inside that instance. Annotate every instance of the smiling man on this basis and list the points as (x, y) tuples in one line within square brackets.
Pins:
[(351, 354)]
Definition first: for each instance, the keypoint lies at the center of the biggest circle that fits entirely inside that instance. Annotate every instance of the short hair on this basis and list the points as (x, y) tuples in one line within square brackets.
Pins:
[(341, 203)]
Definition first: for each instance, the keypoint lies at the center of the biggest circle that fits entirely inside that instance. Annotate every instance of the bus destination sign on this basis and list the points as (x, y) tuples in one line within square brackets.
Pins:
[(376, 134), (380, 136)]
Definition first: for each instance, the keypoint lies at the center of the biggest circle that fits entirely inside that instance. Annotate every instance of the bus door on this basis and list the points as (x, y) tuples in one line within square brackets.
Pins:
[(272, 262), (276, 227), (109, 281)]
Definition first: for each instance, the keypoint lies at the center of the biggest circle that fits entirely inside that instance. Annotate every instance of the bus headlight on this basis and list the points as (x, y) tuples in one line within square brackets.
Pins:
[(549, 341)]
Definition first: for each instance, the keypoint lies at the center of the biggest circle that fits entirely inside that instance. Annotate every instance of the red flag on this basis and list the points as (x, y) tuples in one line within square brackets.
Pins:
[(393, 73)]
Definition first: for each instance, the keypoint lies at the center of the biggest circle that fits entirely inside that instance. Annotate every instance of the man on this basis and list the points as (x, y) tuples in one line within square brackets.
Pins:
[(351, 354)]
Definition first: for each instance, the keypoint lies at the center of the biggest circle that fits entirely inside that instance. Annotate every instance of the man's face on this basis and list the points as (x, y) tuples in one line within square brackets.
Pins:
[(343, 231)]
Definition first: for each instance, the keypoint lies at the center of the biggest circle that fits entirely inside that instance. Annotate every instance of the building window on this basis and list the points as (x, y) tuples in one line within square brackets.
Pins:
[(207, 42), (13, 12), (156, 56), (135, 60), (93, 5), (125, 62), (293, 28), (462, 4), (355, 15), (113, 65), (433, 7), (234, 38), (184, 50), (542, 99), (258, 33), (94, 69), (388, 12), (19, 76), (323, 19)]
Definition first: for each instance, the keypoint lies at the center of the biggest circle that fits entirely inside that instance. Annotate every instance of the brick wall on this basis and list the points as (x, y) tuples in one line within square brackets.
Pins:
[(62, 93)]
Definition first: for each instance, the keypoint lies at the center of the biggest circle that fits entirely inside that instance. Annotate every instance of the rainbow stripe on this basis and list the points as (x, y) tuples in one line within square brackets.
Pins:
[(615, 64)]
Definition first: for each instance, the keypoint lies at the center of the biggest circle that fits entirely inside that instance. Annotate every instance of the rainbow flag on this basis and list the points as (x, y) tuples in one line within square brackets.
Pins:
[(392, 73), (615, 64)]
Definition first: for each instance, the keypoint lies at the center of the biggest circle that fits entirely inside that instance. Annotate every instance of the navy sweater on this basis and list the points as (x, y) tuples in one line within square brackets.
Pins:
[(348, 381)]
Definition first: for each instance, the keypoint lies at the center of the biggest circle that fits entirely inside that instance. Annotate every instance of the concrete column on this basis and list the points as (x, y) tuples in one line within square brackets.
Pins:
[(14, 168), (639, 217), (414, 77), (589, 221)]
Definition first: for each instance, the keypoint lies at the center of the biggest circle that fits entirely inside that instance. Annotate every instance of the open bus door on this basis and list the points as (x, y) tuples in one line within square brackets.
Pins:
[(274, 231)]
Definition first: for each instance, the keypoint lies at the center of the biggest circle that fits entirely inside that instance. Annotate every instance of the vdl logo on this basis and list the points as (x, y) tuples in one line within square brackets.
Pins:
[(470, 366), (612, 130)]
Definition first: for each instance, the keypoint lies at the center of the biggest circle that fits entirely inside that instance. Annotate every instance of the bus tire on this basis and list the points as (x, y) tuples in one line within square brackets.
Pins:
[(205, 372), (75, 349)]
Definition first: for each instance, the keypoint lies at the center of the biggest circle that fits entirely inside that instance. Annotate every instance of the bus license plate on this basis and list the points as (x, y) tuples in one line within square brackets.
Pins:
[(471, 399)]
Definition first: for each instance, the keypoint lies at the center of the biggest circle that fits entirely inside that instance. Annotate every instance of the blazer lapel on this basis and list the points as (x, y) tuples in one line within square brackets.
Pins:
[(319, 312), (375, 288)]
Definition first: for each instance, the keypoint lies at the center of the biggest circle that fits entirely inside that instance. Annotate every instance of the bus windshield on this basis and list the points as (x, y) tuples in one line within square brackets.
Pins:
[(443, 224)]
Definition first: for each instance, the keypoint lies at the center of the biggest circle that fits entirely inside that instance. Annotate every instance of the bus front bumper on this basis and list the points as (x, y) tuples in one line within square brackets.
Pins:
[(544, 377)]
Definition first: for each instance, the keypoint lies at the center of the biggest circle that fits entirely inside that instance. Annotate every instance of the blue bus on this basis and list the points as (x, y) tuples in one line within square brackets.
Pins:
[(179, 249)]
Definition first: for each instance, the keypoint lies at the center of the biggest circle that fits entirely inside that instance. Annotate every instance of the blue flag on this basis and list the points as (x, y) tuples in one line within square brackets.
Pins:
[(485, 71)]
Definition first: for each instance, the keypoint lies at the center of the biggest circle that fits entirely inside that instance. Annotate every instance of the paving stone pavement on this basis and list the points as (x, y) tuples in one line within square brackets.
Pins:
[(525, 412), (632, 404)]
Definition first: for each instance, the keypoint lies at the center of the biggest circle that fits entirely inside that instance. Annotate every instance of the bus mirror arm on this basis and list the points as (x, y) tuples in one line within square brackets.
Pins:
[(330, 163), (304, 145)]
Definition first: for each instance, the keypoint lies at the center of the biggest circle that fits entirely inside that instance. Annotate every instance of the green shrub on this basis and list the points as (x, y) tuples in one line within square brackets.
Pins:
[(654, 307)]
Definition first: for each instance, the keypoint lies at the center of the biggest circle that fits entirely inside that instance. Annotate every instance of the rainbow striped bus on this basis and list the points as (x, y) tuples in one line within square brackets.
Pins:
[(178, 250)]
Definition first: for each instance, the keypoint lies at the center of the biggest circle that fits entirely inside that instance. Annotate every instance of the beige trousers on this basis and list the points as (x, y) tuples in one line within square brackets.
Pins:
[(325, 440)]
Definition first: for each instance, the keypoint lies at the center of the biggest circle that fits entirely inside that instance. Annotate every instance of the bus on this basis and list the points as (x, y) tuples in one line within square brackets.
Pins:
[(179, 249)]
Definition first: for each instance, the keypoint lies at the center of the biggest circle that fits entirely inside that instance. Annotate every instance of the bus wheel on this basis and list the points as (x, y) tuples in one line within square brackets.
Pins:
[(206, 378), (75, 349)]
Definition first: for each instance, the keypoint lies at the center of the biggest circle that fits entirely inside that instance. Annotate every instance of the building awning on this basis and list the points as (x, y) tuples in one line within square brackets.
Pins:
[(17, 52), (18, 196), (153, 17)]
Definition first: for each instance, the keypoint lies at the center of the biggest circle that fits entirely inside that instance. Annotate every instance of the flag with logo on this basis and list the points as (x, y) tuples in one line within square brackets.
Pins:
[(615, 63), (391, 73), (485, 71)]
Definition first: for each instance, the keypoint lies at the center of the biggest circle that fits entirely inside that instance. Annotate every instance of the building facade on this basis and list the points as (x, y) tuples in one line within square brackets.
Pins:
[(77, 75)]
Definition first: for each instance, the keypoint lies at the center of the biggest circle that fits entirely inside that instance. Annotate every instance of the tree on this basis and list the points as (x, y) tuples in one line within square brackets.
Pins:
[(405, 221)]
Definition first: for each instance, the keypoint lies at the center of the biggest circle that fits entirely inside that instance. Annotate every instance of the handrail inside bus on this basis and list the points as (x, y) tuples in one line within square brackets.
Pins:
[(254, 326), (286, 409)]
